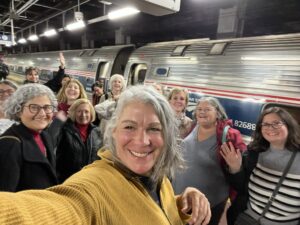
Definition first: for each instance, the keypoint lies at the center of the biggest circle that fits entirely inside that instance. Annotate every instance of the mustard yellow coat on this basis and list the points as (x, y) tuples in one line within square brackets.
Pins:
[(98, 194)]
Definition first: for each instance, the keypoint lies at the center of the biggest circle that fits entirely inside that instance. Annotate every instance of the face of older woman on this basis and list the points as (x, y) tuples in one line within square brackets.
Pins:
[(138, 137), (274, 130), (33, 76), (117, 85), (83, 114), (5, 91), (33, 116), (206, 114)]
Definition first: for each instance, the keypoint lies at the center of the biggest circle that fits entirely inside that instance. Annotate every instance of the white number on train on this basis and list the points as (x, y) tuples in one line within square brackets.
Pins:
[(245, 125)]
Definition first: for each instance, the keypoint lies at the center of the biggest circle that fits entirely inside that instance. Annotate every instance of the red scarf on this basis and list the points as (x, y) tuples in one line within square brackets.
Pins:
[(39, 141), (83, 130)]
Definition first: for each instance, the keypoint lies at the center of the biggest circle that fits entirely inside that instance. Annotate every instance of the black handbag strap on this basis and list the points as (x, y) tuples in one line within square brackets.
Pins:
[(272, 197)]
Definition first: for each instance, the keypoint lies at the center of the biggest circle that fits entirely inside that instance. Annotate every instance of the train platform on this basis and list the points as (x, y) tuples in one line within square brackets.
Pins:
[(17, 78)]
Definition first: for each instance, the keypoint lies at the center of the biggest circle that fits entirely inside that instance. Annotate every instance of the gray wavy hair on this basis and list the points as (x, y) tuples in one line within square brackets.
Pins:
[(221, 113), (117, 76), (14, 104), (171, 157)]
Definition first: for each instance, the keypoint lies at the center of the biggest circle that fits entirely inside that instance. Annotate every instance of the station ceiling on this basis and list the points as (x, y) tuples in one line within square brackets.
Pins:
[(196, 19)]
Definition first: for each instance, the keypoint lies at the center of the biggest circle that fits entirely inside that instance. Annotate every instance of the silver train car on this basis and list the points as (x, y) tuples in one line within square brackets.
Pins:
[(245, 74)]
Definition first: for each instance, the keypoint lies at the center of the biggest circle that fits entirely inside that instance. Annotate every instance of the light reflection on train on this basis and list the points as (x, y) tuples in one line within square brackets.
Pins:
[(245, 74)]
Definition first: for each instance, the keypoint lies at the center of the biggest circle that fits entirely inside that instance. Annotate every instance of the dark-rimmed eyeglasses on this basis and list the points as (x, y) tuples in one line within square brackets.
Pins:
[(34, 108), (274, 125)]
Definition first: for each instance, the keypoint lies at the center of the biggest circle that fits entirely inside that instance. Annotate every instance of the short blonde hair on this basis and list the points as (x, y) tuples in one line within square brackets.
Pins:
[(175, 91), (76, 104), (61, 96)]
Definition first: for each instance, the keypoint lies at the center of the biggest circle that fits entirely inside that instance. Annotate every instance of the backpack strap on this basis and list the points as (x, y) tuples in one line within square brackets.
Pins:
[(225, 131), (10, 137)]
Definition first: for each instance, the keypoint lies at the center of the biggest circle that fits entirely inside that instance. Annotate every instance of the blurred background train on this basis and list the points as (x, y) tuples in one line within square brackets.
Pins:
[(245, 74)]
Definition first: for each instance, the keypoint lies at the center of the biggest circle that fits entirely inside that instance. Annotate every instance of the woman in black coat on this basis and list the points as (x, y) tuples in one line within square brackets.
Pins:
[(79, 140), (27, 149)]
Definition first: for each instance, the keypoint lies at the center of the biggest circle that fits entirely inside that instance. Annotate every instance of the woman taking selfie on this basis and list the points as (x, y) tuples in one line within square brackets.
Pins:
[(129, 185)]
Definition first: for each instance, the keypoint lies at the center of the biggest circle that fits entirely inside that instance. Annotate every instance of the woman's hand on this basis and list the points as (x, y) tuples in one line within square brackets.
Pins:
[(62, 60), (233, 157), (192, 200)]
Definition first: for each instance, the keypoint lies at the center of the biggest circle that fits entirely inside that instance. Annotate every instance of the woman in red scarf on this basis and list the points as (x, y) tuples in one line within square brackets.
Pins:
[(79, 140)]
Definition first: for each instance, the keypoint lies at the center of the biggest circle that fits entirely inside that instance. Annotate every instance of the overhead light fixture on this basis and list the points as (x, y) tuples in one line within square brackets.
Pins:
[(33, 37), (122, 13), (76, 25), (22, 41), (105, 2), (50, 32)]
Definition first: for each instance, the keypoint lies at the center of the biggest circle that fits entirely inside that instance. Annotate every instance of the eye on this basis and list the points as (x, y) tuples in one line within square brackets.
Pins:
[(128, 127), (155, 129)]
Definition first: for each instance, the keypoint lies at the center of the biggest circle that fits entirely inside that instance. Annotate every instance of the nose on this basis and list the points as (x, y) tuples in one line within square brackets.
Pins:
[(142, 138)]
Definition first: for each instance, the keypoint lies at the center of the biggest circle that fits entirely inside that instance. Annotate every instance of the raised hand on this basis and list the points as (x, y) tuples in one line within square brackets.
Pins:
[(232, 156), (62, 60)]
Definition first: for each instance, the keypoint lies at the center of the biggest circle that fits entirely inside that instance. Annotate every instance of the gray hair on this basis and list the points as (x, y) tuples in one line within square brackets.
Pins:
[(171, 157), (221, 113), (9, 83), (117, 76), (13, 105)]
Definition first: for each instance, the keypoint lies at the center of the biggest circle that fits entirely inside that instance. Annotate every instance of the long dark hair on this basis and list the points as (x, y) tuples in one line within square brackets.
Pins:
[(260, 144)]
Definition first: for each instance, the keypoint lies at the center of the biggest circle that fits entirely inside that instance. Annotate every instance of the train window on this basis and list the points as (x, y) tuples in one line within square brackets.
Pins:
[(162, 71), (90, 66), (81, 53), (178, 50), (92, 52), (218, 48), (137, 74)]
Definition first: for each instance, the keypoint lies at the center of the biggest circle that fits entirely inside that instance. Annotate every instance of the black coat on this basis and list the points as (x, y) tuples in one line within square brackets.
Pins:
[(72, 153), (22, 165)]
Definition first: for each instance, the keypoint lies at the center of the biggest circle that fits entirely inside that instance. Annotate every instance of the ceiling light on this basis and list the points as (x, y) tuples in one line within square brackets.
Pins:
[(105, 2), (33, 37), (49, 33), (76, 25), (22, 41), (122, 13)]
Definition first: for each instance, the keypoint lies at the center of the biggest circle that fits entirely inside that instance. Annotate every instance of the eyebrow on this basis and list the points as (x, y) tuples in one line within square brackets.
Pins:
[(134, 122)]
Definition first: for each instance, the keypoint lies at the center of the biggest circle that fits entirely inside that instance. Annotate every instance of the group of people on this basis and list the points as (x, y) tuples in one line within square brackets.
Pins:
[(156, 165)]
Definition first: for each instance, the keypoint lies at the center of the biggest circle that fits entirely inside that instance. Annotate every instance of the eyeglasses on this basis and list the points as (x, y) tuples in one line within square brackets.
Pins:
[(8, 91), (274, 125), (34, 108), (206, 110)]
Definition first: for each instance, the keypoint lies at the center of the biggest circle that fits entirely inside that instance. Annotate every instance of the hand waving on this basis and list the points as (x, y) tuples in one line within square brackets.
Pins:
[(232, 157)]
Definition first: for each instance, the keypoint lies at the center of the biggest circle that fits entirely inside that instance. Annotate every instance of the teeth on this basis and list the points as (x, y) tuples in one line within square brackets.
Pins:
[(140, 155)]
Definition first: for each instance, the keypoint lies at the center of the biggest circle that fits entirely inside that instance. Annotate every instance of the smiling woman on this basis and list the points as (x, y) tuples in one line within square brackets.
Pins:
[(129, 185), (27, 149)]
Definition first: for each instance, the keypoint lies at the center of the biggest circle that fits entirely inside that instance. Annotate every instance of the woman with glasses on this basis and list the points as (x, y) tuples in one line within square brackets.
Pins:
[(79, 140), (26, 153), (256, 173), (7, 88), (206, 167)]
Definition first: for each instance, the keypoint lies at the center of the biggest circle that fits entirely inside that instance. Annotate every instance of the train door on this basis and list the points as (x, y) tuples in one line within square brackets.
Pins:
[(101, 75), (137, 73)]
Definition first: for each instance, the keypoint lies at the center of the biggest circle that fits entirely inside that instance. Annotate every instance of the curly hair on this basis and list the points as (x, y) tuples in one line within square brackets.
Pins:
[(170, 158), (14, 104), (260, 144)]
